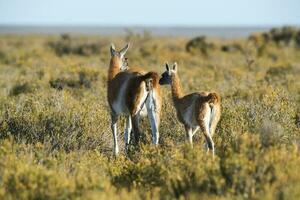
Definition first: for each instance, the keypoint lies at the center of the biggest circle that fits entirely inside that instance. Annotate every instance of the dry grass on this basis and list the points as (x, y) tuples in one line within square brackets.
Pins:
[(54, 125)]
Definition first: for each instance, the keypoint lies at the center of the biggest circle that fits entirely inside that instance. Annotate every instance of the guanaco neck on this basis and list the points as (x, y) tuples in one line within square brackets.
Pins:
[(176, 87), (114, 67)]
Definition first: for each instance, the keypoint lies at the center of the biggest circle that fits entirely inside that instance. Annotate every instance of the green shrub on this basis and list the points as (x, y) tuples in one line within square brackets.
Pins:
[(20, 88), (199, 44), (66, 46)]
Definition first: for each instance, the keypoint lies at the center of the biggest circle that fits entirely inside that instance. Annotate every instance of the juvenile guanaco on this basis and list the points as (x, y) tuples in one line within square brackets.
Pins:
[(134, 93), (200, 109)]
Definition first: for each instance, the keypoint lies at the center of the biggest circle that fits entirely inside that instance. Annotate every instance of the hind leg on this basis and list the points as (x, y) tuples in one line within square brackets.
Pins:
[(135, 126), (114, 120), (204, 125), (128, 128), (209, 141), (189, 134), (153, 116), (154, 126)]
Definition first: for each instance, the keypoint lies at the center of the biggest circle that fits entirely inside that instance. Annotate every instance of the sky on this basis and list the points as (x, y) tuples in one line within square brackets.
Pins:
[(151, 12)]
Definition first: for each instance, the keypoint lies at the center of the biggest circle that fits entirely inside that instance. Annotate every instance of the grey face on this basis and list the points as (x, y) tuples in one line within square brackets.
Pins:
[(166, 77)]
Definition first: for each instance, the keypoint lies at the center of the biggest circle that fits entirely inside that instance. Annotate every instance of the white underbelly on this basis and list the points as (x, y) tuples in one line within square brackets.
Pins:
[(189, 117), (119, 106)]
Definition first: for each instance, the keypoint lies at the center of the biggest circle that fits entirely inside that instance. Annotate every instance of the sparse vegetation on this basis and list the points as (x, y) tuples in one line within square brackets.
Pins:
[(199, 44), (56, 143), (66, 45), (285, 36)]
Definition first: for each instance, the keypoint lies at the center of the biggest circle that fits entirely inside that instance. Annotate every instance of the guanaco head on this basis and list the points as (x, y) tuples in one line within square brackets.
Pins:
[(166, 77), (119, 56)]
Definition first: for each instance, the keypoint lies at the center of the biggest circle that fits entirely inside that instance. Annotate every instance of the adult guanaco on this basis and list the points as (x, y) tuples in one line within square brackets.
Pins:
[(200, 109), (134, 93)]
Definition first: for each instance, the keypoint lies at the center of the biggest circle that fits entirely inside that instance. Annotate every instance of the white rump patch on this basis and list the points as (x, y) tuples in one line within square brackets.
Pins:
[(212, 116), (141, 107), (207, 118)]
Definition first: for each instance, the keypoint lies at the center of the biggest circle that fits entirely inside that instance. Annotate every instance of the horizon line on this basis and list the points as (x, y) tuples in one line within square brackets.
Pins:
[(150, 25)]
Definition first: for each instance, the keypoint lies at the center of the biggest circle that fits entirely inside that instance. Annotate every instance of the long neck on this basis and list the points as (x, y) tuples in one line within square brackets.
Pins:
[(176, 87), (114, 67)]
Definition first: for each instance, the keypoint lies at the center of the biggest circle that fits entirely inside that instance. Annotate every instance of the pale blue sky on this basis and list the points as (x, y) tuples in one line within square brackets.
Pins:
[(152, 12)]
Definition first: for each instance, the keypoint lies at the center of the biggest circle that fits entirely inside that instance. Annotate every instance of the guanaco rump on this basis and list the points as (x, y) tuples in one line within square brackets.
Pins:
[(134, 93), (200, 109)]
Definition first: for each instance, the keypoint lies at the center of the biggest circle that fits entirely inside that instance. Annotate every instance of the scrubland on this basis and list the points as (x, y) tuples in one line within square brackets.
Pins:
[(55, 138)]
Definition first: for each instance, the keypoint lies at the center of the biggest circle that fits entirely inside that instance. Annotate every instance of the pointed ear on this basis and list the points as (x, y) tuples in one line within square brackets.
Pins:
[(124, 50), (175, 66), (112, 49), (167, 67)]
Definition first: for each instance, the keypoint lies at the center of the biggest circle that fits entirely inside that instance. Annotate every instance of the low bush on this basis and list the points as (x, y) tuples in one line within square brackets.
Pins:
[(66, 45)]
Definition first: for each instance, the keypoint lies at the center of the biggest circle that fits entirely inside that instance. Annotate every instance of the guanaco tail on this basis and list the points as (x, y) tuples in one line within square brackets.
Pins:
[(200, 109), (134, 93)]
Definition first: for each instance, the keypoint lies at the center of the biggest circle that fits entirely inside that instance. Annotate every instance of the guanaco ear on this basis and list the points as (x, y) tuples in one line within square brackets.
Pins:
[(112, 49), (175, 66), (124, 50), (167, 66)]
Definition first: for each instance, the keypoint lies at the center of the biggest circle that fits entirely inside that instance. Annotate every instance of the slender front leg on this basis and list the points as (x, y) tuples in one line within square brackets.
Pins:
[(114, 119), (189, 134), (153, 117), (127, 131)]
